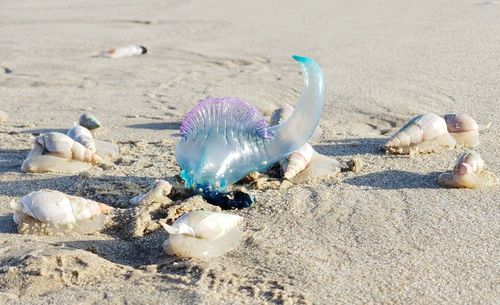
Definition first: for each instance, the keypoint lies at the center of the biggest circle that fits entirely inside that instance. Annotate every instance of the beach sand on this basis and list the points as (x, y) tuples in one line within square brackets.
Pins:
[(385, 235)]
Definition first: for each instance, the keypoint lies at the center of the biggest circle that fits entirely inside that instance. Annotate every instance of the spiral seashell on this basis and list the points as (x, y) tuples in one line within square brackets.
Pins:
[(468, 173), (52, 212), (224, 139), (422, 134), (463, 128), (203, 234), (159, 191), (129, 51), (89, 121), (60, 145), (297, 161), (83, 136)]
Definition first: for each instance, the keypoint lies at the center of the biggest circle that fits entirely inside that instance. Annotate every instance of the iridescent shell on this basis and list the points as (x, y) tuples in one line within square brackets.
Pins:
[(468, 173), (128, 51)]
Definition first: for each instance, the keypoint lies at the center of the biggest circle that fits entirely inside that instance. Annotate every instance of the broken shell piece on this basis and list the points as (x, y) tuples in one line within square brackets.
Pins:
[(203, 234), (89, 121), (129, 51), (468, 173), (463, 128), (53, 212), (83, 136), (159, 191), (423, 134)]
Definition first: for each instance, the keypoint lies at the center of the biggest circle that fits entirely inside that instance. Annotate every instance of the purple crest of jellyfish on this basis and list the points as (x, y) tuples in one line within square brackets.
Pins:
[(232, 111)]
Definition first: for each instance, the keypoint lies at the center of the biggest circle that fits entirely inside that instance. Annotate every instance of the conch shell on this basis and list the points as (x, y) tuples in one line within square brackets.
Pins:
[(224, 139), (56, 152), (53, 212), (423, 134), (468, 173), (318, 166), (203, 234), (159, 191), (463, 128)]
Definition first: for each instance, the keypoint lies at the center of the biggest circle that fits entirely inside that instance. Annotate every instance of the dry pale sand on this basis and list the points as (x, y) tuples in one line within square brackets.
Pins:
[(385, 235)]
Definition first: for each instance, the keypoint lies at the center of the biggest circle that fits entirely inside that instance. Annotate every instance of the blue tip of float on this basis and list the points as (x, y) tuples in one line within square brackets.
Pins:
[(301, 59)]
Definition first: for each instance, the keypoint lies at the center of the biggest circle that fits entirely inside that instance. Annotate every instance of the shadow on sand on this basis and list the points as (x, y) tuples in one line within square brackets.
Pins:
[(157, 126), (395, 180), (351, 147)]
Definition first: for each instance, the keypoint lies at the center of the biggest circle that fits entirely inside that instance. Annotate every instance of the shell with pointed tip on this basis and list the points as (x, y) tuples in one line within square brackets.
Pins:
[(468, 173), (203, 234), (53, 212), (62, 146), (224, 139), (423, 134), (89, 121), (463, 128), (159, 191), (83, 136)]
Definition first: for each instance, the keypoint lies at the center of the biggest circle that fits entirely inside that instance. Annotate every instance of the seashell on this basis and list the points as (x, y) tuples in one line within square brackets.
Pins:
[(203, 234), (463, 128), (423, 134), (224, 139), (159, 191), (89, 121), (129, 51), (52, 212), (56, 152), (468, 173), (83, 136), (300, 159), (60, 145)]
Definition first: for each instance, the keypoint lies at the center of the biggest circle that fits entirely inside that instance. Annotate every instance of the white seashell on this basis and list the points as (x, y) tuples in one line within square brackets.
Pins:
[(203, 234), (423, 134), (300, 160), (129, 51), (83, 136), (159, 191), (60, 145), (51, 212), (468, 173), (297, 161), (463, 128)]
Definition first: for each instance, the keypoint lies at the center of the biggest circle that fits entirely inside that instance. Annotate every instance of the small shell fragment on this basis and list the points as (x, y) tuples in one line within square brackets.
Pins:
[(53, 212), (159, 191), (424, 133), (468, 173), (203, 234), (129, 51)]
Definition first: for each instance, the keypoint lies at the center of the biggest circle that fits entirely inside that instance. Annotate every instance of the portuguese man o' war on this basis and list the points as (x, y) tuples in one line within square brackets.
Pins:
[(224, 139)]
